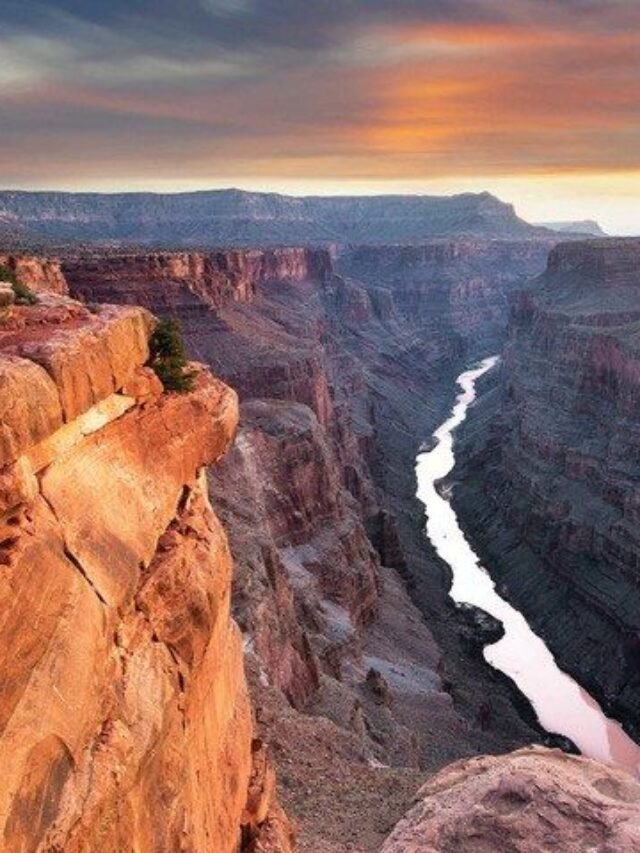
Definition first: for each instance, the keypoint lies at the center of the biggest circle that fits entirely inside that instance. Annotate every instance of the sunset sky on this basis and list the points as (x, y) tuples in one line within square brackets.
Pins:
[(535, 100)]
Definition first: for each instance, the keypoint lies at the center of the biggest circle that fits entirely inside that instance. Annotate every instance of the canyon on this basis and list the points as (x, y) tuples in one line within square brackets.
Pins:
[(341, 371), (364, 677)]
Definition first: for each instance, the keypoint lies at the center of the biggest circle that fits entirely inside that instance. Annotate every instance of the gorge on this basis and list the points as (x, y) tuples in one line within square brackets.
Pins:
[(559, 436), (561, 705), (365, 679)]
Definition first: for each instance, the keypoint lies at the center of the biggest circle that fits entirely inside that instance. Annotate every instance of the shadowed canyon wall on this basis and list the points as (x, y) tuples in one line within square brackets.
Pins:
[(550, 488)]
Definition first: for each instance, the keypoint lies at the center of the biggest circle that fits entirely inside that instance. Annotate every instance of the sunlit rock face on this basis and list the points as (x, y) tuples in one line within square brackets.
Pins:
[(531, 800), (551, 488), (125, 718)]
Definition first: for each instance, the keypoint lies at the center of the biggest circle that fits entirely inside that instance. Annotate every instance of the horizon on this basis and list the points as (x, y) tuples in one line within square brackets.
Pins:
[(537, 216)]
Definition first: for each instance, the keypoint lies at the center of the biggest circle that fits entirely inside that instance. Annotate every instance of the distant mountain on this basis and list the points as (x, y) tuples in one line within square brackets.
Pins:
[(237, 218), (582, 226)]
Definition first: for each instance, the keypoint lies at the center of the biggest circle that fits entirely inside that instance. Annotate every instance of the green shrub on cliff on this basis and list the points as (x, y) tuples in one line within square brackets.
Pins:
[(24, 296), (168, 358)]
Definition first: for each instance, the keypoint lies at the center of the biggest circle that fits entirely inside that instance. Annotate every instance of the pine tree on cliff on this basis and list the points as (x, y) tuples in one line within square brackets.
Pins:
[(168, 358)]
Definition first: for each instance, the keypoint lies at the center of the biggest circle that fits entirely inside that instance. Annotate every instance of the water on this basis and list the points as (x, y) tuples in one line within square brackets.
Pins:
[(561, 705)]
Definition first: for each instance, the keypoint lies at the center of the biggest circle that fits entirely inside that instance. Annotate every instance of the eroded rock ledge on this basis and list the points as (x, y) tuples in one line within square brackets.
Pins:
[(526, 802), (125, 721)]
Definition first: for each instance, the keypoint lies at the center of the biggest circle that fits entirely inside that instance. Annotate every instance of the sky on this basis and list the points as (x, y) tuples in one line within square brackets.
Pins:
[(535, 100)]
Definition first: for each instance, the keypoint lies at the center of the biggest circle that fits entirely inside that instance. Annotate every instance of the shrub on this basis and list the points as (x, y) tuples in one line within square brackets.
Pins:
[(168, 358), (24, 296)]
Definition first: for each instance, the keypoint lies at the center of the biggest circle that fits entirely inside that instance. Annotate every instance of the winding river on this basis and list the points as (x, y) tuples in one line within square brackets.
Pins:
[(561, 705)]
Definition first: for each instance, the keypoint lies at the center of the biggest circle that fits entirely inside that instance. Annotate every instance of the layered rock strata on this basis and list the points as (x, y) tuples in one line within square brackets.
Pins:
[(550, 491), (125, 721), (239, 218)]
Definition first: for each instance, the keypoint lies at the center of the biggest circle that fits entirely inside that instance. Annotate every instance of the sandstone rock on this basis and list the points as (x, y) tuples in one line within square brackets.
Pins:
[(168, 282), (89, 362), (530, 801), (7, 295), (30, 407), (18, 485), (125, 721), (144, 385)]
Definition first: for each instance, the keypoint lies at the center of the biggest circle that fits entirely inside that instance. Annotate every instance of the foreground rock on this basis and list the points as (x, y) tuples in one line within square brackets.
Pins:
[(530, 801), (125, 721)]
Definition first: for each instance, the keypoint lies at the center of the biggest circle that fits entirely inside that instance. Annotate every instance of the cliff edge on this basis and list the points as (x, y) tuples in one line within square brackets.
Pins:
[(125, 721)]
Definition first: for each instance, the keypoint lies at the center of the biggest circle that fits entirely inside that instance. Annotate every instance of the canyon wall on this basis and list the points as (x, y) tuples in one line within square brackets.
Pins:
[(127, 718), (463, 283), (550, 491), (126, 723)]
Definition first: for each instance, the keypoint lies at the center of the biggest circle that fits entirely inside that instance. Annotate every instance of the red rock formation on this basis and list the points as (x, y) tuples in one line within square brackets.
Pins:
[(308, 576), (534, 799), (38, 274), (125, 720), (170, 281)]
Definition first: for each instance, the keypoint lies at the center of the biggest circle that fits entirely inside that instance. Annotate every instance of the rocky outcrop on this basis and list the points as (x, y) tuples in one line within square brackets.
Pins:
[(37, 273), (532, 800), (125, 721), (550, 492), (309, 577)]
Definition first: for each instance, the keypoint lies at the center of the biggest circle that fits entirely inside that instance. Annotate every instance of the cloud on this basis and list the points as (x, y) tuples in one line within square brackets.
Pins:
[(368, 89)]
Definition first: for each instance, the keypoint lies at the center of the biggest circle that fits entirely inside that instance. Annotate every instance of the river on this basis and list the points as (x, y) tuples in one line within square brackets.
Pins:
[(560, 703)]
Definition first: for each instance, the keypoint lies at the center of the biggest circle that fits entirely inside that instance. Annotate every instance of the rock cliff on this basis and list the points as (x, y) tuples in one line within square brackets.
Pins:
[(526, 802), (176, 281), (550, 491), (125, 718)]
